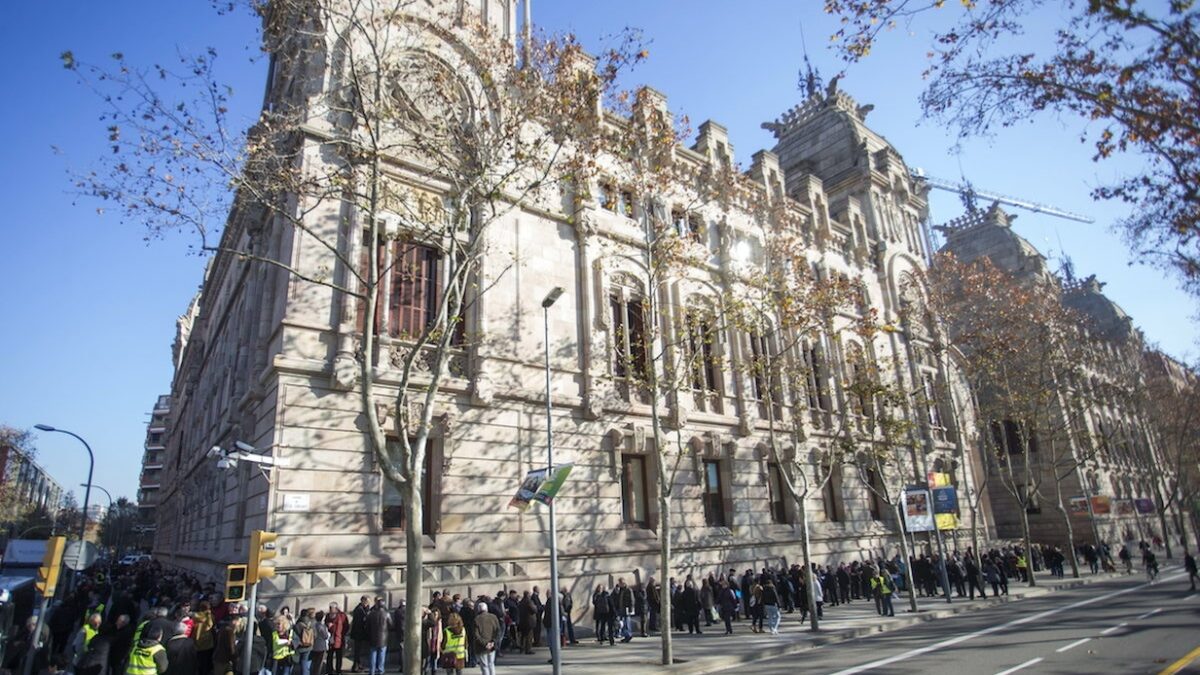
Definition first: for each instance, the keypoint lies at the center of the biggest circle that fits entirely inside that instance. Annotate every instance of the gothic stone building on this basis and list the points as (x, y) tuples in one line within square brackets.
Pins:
[(259, 366), (1112, 437)]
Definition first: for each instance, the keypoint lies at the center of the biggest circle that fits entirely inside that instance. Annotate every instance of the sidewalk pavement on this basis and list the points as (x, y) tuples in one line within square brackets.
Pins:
[(714, 651)]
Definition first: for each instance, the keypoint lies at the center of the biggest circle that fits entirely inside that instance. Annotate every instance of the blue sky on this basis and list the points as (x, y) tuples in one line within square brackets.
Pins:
[(92, 306)]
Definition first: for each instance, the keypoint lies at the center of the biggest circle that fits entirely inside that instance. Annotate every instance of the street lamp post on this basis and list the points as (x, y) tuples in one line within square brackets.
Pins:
[(110, 510), (556, 608), (87, 492)]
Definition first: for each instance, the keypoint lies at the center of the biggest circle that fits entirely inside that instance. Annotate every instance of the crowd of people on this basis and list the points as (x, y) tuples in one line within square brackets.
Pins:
[(145, 620)]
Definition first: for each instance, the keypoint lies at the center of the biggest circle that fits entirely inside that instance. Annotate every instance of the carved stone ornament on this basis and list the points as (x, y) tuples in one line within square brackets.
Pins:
[(585, 223), (483, 391), (746, 422), (345, 372)]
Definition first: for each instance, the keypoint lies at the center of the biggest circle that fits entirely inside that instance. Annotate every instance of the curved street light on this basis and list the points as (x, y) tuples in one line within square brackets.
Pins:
[(87, 493), (111, 508)]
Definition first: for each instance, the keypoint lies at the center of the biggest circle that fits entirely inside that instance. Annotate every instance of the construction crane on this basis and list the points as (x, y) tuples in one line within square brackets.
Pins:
[(970, 195)]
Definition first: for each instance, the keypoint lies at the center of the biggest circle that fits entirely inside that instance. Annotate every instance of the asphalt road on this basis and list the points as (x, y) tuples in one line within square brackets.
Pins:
[(1121, 626)]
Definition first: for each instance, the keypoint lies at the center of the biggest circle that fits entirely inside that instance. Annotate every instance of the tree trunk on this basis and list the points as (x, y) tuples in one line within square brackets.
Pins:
[(806, 554), (1025, 535), (1166, 537), (1070, 532), (908, 576), (414, 558), (1183, 534), (664, 563), (975, 529)]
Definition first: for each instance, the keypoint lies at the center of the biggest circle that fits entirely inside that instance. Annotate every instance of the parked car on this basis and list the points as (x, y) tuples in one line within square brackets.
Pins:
[(134, 558)]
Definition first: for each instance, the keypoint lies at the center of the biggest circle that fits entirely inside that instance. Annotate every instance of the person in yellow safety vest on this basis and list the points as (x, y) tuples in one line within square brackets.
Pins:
[(281, 646), (883, 582), (149, 657), (454, 645), (91, 629), (1022, 567)]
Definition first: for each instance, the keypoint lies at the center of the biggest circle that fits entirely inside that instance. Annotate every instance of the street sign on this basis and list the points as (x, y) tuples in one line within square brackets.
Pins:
[(80, 556)]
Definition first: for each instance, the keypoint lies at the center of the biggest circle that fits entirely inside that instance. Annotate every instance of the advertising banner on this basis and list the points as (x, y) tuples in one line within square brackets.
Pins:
[(540, 486), (529, 487), (946, 521), (1144, 506), (1079, 506), (550, 487), (945, 500), (1101, 505), (1123, 507), (937, 479), (918, 516)]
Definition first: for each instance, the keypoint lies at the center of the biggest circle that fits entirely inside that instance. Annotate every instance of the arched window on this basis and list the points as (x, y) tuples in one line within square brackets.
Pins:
[(630, 339)]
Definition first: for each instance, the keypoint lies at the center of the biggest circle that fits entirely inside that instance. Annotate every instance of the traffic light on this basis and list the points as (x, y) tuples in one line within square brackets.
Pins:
[(47, 574), (235, 582), (262, 549)]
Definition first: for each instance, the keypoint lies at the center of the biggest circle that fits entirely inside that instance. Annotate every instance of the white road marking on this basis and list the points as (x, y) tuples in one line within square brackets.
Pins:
[(987, 631), (1014, 669), (1072, 645), (1149, 614), (1114, 629)]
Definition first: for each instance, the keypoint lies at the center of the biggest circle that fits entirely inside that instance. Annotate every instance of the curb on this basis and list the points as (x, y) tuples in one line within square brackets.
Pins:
[(703, 666)]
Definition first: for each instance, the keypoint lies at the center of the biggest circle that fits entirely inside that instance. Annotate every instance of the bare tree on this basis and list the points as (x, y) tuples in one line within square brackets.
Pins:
[(1127, 71), (395, 136), (785, 308)]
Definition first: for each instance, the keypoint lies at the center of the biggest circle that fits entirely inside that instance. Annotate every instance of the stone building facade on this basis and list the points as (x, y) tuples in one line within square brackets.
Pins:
[(1112, 438), (260, 366)]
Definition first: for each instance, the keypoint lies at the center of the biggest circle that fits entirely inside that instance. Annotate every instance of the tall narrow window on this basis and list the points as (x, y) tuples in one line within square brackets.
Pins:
[(874, 503), (679, 222), (814, 367), (714, 494), (625, 205), (607, 197), (634, 494), (759, 362), (701, 339), (629, 335), (775, 486), (392, 515), (932, 413), (832, 497), (415, 289)]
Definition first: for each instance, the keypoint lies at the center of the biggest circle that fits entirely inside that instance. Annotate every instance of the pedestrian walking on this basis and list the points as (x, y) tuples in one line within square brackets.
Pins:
[(770, 603)]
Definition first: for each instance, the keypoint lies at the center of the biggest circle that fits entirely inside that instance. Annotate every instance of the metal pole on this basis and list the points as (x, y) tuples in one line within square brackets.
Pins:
[(36, 638), (110, 502), (87, 492), (555, 641), (251, 621)]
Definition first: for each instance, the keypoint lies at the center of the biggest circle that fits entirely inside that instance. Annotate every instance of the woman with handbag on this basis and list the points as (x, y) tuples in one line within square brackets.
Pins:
[(454, 646)]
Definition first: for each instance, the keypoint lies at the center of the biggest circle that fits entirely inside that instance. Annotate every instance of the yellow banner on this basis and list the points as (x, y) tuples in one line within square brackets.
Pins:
[(946, 521)]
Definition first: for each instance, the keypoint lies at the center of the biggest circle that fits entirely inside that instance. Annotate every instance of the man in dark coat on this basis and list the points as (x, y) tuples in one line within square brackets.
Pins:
[(527, 623), (181, 653), (358, 632), (541, 613), (622, 604), (95, 659), (378, 622)]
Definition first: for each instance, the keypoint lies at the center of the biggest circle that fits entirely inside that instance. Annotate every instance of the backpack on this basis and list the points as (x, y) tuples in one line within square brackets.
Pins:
[(305, 632)]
